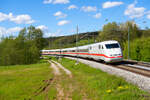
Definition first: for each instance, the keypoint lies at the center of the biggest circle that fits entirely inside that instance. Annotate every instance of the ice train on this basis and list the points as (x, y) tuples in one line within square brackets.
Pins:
[(107, 51)]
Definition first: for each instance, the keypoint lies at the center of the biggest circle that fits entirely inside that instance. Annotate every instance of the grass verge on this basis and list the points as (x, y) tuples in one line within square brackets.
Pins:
[(92, 84), (37, 82), (22, 82)]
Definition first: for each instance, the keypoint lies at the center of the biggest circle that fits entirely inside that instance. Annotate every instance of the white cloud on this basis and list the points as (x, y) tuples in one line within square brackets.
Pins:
[(56, 1), (47, 1), (3, 17), (134, 12), (88, 8), (59, 14), (148, 16), (10, 31), (2, 31), (22, 19), (63, 22), (98, 15), (47, 32), (72, 7), (61, 1), (109, 4), (19, 19), (43, 28), (14, 30), (53, 34)]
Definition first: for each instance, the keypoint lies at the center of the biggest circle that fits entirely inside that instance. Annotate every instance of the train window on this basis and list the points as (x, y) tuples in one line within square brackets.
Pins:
[(77, 50), (102, 47), (110, 46), (99, 46), (90, 47), (83, 50)]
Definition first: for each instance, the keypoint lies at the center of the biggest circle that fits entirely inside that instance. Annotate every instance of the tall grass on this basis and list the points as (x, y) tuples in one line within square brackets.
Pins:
[(22, 81), (98, 85)]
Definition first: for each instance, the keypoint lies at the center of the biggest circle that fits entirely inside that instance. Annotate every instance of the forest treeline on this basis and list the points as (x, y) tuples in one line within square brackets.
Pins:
[(23, 49), (70, 40)]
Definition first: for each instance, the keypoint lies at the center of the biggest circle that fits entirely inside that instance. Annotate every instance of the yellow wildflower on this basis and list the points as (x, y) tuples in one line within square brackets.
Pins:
[(109, 91), (120, 87), (126, 87)]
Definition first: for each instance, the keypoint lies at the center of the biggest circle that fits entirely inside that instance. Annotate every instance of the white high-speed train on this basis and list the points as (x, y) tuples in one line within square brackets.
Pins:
[(107, 51)]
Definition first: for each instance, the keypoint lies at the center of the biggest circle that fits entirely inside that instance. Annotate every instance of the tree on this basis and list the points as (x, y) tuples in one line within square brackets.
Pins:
[(36, 36), (119, 32), (111, 31), (23, 49), (131, 28), (146, 33)]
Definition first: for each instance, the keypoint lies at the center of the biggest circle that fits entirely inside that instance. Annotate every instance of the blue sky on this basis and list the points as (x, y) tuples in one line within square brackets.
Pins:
[(60, 17)]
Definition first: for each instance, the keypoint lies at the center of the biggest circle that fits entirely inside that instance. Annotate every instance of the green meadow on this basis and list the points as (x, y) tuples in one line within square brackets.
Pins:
[(21, 82), (37, 82)]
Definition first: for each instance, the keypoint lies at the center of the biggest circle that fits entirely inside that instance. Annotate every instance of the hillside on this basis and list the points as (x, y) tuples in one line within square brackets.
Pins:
[(70, 40)]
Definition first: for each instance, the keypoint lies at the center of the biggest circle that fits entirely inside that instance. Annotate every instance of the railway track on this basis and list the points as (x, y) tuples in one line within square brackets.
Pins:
[(138, 69), (141, 68), (133, 66), (147, 64)]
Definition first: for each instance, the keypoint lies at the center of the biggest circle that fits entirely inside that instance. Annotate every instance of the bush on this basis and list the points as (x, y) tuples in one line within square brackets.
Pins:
[(139, 49)]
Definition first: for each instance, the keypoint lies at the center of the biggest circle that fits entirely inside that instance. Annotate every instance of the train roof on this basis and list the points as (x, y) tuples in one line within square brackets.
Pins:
[(105, 42), (85, 46)]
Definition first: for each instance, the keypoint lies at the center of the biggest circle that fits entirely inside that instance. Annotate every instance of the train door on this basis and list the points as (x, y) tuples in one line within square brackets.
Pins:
[(89, 51), (103, 52), (97, 52), (94, 52), (100, 51)]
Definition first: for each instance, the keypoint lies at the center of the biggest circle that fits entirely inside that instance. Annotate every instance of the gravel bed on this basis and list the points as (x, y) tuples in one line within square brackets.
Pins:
[(142, 82)]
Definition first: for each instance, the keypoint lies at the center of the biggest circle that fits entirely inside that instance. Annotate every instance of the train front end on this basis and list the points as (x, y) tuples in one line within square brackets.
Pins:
[(113, 52)]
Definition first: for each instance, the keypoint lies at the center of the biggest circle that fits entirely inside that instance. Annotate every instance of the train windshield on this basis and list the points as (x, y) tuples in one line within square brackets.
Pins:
[(111, 46)]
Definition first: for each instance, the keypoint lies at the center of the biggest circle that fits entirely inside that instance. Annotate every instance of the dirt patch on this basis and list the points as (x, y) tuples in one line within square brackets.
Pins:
[(61, 95), (56, 80), (45, 87), (68, 72), (69, 94), (48, 88), (55, 68)]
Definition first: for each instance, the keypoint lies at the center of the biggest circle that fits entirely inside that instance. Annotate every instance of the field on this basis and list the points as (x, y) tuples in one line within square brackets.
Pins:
[(22, 82), (37, 82)]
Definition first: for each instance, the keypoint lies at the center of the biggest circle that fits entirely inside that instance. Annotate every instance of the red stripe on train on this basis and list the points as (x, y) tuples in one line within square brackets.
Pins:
[(87, 54)]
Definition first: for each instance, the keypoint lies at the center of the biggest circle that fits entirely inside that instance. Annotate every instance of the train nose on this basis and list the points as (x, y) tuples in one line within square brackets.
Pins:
[(114, 52)]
